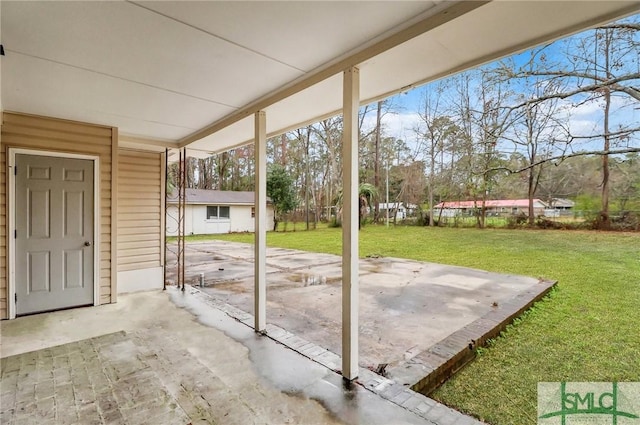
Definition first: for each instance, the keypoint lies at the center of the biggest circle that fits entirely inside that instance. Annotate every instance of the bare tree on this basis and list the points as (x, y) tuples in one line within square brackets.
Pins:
[(436, 132), (483, 119), (596, 67), (538, 132)]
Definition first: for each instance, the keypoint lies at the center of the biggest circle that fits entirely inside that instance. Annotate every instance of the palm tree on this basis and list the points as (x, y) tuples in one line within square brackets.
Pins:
[(367, 193)]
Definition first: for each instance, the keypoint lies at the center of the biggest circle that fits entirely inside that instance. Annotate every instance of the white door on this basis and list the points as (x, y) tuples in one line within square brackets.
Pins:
[(54, 233)]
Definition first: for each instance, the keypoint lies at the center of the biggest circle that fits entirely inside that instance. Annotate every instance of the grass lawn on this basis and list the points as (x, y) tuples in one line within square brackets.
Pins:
[(586, 330)]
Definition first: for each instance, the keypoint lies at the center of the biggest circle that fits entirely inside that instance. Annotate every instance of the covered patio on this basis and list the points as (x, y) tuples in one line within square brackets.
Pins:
[(104, 93)]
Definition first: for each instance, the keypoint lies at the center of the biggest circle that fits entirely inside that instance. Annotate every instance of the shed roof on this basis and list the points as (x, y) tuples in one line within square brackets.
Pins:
[(492, 203), (216, 197), (562, 202)]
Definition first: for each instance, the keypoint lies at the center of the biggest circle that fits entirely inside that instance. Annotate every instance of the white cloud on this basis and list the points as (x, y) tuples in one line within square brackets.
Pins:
[(398, 125), (587, 118), (582, 119), (401, 125)]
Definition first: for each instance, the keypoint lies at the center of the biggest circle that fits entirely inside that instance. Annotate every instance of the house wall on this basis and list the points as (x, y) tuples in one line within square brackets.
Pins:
[(172, 220), (240, 220), (538, 209), (200, 225), (140, 212), (48, 134), (401, 213)]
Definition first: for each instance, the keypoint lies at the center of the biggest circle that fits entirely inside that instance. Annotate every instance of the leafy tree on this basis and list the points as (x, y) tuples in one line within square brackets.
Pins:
[(281, 190), (625, 177), (367, 194)]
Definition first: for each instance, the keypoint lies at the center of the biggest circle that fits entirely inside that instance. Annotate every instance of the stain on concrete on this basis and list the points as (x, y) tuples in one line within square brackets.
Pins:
[(403, 303)]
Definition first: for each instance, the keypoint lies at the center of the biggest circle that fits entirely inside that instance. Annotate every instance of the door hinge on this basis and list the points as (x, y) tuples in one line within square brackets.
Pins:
[(16, 298), (15, 234), (15, 170)]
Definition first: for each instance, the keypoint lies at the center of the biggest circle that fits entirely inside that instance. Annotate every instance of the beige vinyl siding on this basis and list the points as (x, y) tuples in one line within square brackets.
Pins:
[(54, 135), (139, 210)]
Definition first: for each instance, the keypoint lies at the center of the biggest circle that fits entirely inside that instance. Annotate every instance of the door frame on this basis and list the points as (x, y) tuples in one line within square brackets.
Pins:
[(12, 219)]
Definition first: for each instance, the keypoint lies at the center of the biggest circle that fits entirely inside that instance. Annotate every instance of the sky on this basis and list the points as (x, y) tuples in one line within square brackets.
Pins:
[(582, 119)]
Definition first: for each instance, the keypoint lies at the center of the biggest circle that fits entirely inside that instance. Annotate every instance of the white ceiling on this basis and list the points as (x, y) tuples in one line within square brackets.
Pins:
[(176, 70)]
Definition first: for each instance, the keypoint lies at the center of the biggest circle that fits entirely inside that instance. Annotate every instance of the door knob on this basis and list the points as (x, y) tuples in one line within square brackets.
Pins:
[(87, 243)]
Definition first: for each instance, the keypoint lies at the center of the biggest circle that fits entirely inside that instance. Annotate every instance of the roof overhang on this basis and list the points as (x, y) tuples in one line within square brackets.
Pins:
[(192, 74)]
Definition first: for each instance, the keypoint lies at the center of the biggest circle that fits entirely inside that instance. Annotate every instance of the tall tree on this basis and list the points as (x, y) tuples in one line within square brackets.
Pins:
[(376, 179), (435, 132), (281, 191), (596, 67), (537, 133), (483, 119)]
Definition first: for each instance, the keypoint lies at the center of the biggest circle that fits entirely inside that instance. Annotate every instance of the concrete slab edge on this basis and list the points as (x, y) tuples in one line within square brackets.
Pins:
[(431, 368), (397, 393)]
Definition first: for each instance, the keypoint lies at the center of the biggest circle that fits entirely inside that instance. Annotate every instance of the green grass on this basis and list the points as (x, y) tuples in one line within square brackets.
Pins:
[(588, 329)]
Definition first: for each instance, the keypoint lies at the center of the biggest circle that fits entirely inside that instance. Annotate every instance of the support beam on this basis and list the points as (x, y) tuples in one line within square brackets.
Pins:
[(260, 256), (350, 211)]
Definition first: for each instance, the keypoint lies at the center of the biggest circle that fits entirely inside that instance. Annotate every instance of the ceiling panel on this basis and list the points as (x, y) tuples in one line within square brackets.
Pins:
[(167, 70), (132, 43), (323, 96), (234, 135), (82, 95), (303, 34)]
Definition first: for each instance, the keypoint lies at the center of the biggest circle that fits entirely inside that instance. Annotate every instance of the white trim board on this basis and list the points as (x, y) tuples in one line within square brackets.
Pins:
[(140, 280)]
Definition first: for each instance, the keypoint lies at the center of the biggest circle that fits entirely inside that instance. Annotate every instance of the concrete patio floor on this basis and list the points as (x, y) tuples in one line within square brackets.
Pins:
[(186, 357), (173, 358), (406, 307)]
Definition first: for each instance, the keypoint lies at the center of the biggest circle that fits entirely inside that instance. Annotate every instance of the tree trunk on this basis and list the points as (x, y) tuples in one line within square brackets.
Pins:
[(531, 194), (532, 160), (376, 172), (431, 178), (306, 177), (604, 219), (283, 149), (223, 161)]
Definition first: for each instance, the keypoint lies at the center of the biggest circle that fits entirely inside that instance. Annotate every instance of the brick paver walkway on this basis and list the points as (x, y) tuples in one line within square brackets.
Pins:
[(173, 370), (140, 377), (104, 380)]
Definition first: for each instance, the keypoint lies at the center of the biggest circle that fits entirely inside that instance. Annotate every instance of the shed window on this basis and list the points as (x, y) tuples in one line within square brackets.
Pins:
[(215, 211), (212, 212)]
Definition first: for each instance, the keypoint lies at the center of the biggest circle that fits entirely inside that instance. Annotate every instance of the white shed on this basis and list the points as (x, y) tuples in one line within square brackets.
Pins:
[(215, 211), (398, 207)]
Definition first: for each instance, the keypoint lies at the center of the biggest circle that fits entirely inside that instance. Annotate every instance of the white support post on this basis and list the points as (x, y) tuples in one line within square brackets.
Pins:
[(350, 212), (260, 266)]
